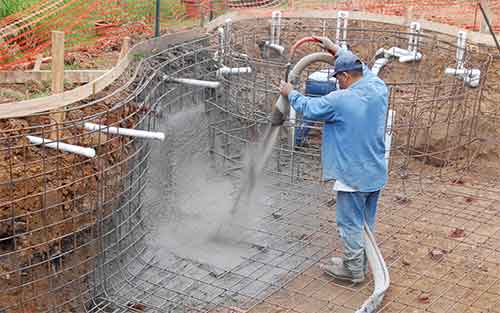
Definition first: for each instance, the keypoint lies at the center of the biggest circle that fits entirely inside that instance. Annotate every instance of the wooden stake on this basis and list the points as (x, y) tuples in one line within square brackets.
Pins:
[(38, 62), (57, 74), (124, 49)]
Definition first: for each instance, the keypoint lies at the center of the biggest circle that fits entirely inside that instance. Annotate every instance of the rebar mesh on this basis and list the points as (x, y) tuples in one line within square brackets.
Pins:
[(78, 234)]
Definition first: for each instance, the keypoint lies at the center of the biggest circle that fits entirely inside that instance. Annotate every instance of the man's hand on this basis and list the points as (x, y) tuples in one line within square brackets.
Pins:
[(327, 44), (285, 88)]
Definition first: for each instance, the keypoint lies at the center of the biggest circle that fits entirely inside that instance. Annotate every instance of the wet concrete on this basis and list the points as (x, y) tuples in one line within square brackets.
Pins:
[(191, 198)]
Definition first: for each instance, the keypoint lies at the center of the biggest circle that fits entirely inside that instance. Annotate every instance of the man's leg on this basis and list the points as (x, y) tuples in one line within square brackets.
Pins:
[(350, 220)]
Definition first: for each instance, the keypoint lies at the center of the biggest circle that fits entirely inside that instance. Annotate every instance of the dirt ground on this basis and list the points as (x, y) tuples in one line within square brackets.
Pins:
[(442, 249)]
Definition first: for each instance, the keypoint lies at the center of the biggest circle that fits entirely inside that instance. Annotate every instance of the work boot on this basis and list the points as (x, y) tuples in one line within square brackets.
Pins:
[(337, 269), (338, 260)]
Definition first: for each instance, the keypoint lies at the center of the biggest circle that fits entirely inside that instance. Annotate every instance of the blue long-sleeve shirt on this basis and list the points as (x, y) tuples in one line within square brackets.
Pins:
[(353, 136)]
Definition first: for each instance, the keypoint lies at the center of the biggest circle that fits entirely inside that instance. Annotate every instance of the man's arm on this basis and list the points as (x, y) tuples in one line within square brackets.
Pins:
[(317, 108)]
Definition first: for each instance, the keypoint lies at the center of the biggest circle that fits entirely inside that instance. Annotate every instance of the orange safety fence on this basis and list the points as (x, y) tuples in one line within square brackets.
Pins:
[(93, 24), (86, 24)]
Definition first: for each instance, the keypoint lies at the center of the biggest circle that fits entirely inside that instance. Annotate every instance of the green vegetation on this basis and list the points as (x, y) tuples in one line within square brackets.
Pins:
[(9, 7)]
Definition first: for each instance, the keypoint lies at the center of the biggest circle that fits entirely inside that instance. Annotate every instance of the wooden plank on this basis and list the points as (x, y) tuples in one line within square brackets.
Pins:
[(74, 76), (57, 76), (57, 62), (33, 106), (125, 48), (38, 63)]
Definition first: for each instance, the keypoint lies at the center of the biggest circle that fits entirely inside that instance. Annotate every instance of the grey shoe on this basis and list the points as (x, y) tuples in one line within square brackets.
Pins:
[(339, 260), (338, 270)]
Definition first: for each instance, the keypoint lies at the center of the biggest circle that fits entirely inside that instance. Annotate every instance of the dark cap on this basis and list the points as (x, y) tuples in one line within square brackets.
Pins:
[(346, 62)]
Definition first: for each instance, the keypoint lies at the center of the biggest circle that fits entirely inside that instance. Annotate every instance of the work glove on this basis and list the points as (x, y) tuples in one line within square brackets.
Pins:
[(277, 118), (327, 44)]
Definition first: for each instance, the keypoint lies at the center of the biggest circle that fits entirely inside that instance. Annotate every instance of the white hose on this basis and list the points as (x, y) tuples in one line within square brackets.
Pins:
[(124, 131), (57, 145), (282, 104), (380, 274)]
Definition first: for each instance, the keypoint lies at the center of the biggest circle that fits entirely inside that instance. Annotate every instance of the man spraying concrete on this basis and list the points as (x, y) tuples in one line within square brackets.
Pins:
[(352, 151)]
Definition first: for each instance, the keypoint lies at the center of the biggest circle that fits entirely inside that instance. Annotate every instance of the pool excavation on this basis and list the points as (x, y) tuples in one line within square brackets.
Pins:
[(169, 191)]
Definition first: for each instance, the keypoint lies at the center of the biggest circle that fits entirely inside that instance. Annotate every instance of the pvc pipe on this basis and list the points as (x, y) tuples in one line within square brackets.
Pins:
[(414, 38), (57, 145), (461, 43), (124, 131), (402, 54), (278, 48), (197, 82), (472, 77), (227, 32), (275, 27), (233, 70), (221, 41), (342, 18), (414, 56)]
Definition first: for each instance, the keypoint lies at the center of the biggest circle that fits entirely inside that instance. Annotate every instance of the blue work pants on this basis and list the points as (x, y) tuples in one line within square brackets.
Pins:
[(353, 209)]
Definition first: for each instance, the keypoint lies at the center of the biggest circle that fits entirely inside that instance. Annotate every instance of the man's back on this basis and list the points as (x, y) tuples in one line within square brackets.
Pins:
[(353, 138), (357, 134)]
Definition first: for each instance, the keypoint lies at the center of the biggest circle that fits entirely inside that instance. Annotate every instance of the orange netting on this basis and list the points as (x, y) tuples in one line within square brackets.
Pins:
[(93, 24), (85, 24)]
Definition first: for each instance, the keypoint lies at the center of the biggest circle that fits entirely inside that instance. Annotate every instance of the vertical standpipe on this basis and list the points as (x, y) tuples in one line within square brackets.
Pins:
[(341, 36), (275, 27), (414, 37), (461, 42)]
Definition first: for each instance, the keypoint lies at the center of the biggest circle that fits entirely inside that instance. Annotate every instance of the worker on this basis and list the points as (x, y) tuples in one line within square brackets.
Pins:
[(352, 152)]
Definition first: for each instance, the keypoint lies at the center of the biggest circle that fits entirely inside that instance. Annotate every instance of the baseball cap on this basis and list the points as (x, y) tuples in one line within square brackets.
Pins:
[(347, 61)]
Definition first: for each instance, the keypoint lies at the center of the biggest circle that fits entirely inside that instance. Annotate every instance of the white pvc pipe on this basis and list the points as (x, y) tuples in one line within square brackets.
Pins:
[(197, 82), (461, 43), (342, 18), (57, 145), (278, 48), (471, 76), (402, 54), (233, 70), (221, 41), (413, 56), (414, 36), (275, 27), (124, 131), (227, 31)]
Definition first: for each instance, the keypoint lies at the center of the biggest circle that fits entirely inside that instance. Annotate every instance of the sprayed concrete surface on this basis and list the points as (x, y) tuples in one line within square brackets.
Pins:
[(192, 198), (201, 245)]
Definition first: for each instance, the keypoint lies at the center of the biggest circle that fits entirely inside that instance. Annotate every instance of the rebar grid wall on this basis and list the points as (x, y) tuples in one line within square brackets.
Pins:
[(67, 220), (73, 229), (436, 131), (438, 220)]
